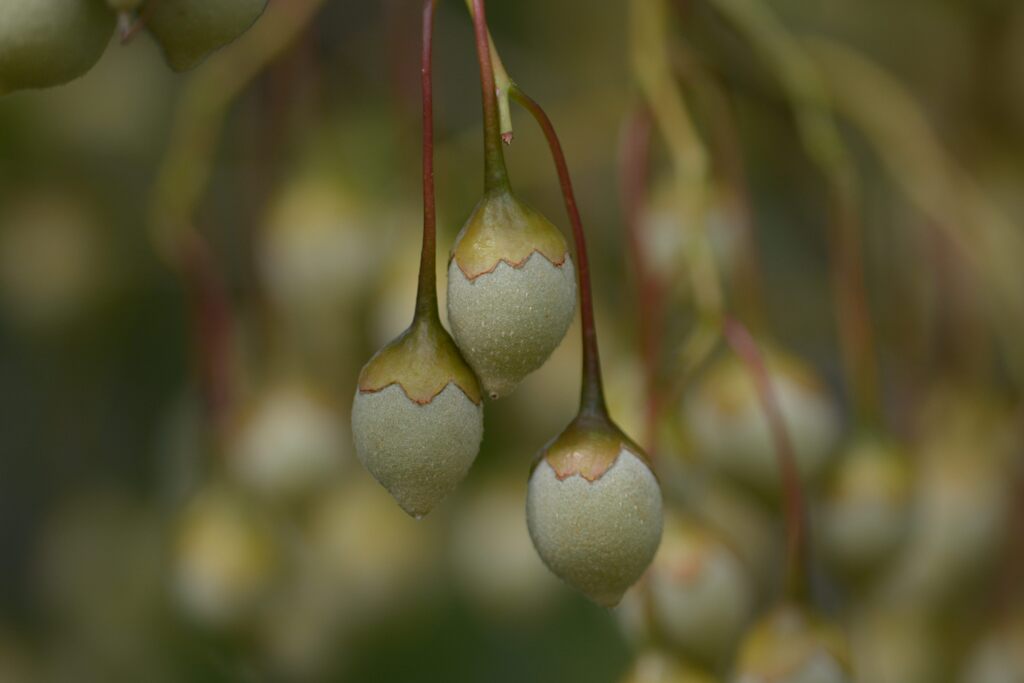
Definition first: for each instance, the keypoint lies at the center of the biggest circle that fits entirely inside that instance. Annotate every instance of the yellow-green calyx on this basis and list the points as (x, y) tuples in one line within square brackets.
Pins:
[(423, 360), (501, 228), (790, 637), (589, 446), (874, 469)]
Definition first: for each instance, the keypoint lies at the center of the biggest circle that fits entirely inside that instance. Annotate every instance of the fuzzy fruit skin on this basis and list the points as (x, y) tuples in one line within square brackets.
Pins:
[(50, 42), (511, 291), (418, 452), (792, 645), (189, 30), (594, 513)]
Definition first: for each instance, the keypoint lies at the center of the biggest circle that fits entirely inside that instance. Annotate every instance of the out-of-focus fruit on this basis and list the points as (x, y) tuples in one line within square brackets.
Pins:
[(52, 266), (226, 557), (998, 657), (658, 667), (893, 644), (289, 442), (730, 431), (963, 498), (49, 42), (494, 560), (189, 30), (366, 555), (697, 593), (865, 514), (792, 645)]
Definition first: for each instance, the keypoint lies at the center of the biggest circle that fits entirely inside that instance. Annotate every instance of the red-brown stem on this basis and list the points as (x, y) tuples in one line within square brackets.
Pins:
[(426, 295), (852, 311), (592, 391), (495, 173), (211, 326), (746, 348), (634, 175)]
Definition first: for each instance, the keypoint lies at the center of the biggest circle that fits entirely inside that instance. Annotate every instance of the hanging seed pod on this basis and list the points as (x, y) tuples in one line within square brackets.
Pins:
[(511, 282), (865, 516), (792, 645), (50, 42), (729, 428), (418, 417), (418, 413), (189, 30), (594, 509), (511, 291), (658, 667), (697, 595)]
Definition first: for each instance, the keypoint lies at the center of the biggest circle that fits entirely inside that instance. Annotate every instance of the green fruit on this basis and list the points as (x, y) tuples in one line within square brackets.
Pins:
[(657, 667), (594, 510), (999, 656), (417, 417), (493, 558), (697, 594), (49, 42), (865, 517), (792, 645), (511, 291), (289, 442), (226, 557), (726, 420), (189, 30)]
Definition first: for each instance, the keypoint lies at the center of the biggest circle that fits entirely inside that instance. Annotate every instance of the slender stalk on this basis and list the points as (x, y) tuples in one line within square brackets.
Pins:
[(746, 348), (592, 391), (426, 294), (502, 86), (495, 173), (633, 182), (212, 326)]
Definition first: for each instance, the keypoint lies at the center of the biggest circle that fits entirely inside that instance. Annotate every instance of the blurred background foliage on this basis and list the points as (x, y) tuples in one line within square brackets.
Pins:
[(137, 544)]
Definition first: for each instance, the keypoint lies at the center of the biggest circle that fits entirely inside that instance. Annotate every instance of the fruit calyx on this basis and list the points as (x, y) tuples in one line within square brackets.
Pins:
[(423, 360), (588, 447), (503, 229)]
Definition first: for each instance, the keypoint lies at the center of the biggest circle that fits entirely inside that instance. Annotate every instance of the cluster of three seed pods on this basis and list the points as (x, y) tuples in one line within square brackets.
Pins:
[(594, 505)]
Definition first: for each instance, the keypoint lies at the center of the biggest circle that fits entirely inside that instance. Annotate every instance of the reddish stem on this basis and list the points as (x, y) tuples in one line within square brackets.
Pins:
[(211, 326), (633, 181), (426, 295), (795, 513), (592, 392), (852, 310)]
